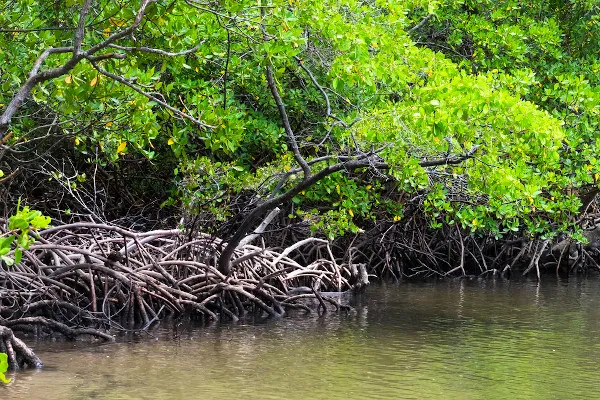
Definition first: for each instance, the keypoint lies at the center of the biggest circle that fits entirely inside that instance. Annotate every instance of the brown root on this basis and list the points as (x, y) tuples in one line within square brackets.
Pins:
[(19, 354), (96, 279)]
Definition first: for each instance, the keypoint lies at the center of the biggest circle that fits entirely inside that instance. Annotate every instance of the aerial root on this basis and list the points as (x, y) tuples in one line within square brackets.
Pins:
[(91, 279), (19, 354)]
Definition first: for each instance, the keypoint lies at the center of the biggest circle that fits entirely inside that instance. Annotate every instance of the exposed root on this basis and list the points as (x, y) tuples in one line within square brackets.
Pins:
[(19, 355), (91, 279)]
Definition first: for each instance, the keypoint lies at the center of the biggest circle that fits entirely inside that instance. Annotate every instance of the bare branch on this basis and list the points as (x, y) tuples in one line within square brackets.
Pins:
[(127, 83), (450, 160), (291, 137), (119, 35), (316, 83), (65, 28), (158, 51), (107, 56), (420, 24), (370, 159), (80, 31), (40, 60)]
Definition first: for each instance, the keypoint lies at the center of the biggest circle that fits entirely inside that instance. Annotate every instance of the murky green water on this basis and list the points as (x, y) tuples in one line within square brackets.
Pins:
[(458, 340)]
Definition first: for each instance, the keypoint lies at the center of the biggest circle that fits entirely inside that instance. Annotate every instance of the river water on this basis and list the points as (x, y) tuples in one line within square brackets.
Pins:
[(441, 340)]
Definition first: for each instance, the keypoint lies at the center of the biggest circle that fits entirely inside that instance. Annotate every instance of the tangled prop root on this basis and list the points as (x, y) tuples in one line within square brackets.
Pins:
[(89, 279), (19, 355)]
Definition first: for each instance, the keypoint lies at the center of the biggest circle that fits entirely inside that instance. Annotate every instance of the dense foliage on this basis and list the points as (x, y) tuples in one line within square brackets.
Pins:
[(511, 86)]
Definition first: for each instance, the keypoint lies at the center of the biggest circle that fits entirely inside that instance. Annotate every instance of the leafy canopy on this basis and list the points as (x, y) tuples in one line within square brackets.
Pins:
[(414, 80)]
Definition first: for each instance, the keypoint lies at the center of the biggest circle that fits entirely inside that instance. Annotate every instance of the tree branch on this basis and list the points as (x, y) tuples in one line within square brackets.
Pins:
[(450, 160), (80, 31), (367, 160), (291, 137), (420, 24), (36, 76), (158, 51), (150, 96), (40, 60)]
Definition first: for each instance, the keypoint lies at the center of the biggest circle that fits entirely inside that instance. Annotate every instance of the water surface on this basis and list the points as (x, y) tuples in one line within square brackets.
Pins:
[(440, 340)]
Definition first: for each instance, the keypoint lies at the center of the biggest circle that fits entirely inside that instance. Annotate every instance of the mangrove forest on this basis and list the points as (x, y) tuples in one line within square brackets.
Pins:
[(226, 160)]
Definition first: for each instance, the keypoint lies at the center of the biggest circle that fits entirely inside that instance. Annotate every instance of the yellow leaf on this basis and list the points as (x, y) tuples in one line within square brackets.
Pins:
[(170, 141), (287, 168), (94, 81), (108, 124), (68, 79), (120, 22), (4, 379), (474, 222), (369, 187), (121, 147), (397, 218), (351, 213), (76, 142)]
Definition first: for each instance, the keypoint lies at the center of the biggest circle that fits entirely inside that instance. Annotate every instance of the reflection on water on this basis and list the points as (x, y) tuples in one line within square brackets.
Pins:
[(449, 340)]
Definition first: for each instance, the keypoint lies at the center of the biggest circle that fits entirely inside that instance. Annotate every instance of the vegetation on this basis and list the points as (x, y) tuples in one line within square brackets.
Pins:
[(3, 368), (419, 137)]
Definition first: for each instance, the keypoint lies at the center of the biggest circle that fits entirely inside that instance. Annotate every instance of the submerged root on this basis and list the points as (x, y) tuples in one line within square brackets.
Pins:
[(19, 354)]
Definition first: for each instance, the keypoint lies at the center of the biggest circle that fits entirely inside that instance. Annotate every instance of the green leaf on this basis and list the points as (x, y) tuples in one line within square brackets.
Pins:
[(4, 380), (6, 242), (16, 222), (4, 368), (3, 362), (7, 260), (40, 222), (18, 255)]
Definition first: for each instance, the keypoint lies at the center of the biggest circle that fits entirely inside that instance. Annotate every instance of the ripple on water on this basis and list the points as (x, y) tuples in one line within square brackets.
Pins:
[(452, 340)]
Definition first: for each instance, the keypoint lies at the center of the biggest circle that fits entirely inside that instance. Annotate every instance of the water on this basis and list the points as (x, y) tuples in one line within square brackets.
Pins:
[(449, 340)]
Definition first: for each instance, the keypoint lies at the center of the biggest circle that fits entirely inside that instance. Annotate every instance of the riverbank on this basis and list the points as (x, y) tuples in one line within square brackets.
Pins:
[(93, 279)]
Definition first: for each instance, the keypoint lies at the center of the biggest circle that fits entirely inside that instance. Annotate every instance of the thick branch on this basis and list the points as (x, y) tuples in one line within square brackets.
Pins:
[(254, 215), (127, 83), (368, 160), (450, 160), (420, 24), (158, 51), (80, 31), (35, 76), (291, 137)]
